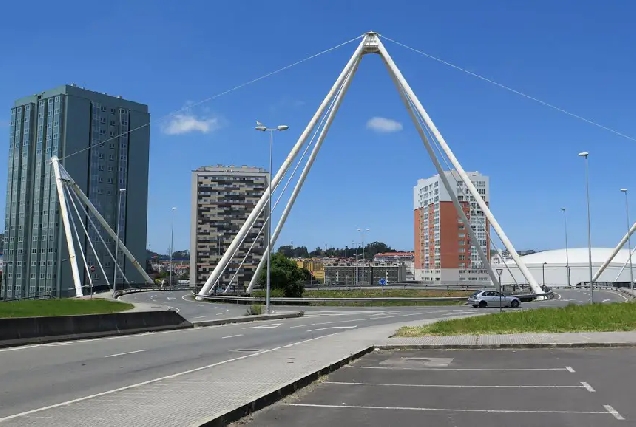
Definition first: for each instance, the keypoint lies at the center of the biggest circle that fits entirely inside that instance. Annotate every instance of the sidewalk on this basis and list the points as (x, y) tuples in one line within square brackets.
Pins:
[(224, 391)]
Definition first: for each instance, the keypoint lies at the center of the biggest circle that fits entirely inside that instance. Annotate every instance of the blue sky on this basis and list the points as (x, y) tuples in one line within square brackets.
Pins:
[(575, 54)]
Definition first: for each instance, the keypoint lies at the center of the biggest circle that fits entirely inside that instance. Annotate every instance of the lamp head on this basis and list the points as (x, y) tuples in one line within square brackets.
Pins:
[(584, 154), (282, 127)]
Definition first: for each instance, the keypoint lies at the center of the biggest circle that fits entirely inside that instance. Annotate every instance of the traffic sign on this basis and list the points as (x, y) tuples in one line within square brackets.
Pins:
[(382, 282)]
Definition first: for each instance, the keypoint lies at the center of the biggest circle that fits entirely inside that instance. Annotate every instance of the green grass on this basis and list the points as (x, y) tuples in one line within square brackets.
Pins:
[(573, 318), (375, 293), (60, 307)]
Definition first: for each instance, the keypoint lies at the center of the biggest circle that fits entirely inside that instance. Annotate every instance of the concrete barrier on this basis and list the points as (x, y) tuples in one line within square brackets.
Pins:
[(28, 330)]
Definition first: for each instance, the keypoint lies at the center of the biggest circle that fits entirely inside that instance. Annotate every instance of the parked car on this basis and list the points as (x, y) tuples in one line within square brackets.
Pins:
[(484, 299)]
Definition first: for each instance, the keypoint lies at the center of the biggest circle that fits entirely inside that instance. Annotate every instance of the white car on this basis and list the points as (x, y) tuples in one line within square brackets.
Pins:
[(484, 299)]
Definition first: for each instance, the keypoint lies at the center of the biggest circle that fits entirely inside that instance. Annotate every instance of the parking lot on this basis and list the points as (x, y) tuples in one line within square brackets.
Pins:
[(476, 388)]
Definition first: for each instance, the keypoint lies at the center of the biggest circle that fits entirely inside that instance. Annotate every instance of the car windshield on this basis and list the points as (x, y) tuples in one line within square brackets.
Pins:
[(476, 293)]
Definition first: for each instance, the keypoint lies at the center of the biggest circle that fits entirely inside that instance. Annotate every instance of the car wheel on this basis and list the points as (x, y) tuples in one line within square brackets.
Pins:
[(514, 304), (482, 304)]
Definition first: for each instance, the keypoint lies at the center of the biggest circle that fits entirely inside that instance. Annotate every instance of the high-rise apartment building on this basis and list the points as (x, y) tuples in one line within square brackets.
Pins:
[(443, 250), (103, 142), (222, 199)]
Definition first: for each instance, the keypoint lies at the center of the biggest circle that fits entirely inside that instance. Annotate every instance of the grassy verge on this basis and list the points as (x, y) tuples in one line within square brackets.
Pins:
[(573, 318), (376, 293), (60, 307)]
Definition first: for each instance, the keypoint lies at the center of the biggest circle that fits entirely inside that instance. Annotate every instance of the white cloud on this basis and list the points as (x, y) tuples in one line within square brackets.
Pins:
[(384, 125), (184, 123)]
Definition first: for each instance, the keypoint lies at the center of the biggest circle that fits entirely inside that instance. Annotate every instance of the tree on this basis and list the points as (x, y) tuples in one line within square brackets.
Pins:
[(284, 275)]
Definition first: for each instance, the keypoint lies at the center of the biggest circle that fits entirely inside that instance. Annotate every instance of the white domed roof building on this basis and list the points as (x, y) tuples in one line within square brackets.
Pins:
[(554, 265)]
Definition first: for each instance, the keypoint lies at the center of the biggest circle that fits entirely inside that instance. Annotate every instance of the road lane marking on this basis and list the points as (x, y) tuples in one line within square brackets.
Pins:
[(297, 326), (588, 387), (491, 411), (614, 412), (231, 336), (125, 353), (455, 385), (344, 327), (466, 369), (569, 369)]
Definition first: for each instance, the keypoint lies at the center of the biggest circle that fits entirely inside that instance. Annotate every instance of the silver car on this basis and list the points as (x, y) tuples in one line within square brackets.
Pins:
[(484, 299)]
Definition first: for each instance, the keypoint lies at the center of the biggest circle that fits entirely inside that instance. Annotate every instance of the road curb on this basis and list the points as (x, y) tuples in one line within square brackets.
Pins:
[(502, 346), (246, 319), (282, 392), (89, 335)]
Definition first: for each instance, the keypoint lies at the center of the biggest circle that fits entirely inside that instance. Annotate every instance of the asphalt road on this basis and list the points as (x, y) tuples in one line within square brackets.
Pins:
[(475, 388), (40, 375), (201, 310)]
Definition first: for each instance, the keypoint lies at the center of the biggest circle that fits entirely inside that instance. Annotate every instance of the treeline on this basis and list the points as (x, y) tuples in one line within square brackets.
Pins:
[(370, 250)]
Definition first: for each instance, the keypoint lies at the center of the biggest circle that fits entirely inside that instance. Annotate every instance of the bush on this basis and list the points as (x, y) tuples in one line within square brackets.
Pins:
[(285, 276), (254, 310)]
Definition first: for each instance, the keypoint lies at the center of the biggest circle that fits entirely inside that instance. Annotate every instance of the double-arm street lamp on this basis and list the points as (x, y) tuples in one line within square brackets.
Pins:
[(262, 128)]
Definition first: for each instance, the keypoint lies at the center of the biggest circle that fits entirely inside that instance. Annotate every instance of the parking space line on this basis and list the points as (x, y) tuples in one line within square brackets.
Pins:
[(588, 387), (609, 409), (463, 369), (585, 385), (614, 412)]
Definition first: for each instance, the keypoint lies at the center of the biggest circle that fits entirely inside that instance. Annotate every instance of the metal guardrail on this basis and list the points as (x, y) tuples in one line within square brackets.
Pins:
[(45, 296), (285, 300), (134, 290), (347, 299)]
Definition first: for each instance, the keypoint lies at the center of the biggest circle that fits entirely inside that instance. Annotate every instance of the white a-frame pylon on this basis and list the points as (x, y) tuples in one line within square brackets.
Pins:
[(67, 191), (371, 43), (614, 253)]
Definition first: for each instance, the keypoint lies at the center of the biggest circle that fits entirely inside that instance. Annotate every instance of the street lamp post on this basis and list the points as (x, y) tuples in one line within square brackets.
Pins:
[(543, 274), (262, 128), (585, 155), (362, 231), (629, 242), (567, 257), (499, 271), (171, 245), (121, 193), (355, 280)]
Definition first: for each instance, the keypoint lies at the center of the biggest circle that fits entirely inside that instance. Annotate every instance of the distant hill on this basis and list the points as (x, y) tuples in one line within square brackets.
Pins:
[(176, 256)]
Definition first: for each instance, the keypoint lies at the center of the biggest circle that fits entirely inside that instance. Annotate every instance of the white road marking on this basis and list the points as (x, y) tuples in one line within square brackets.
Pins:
[(297, 326), (344, 327), (323, 323), (380, 317), (466, 369), (272, 326), (351, 320), (125, 353), (454, 385), (588, 387), (606, 300), (231, 336), (613, 412), (320, 329), (200, 317), (491, 411), (569, 369)]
